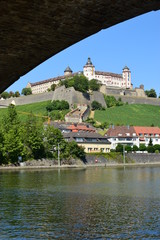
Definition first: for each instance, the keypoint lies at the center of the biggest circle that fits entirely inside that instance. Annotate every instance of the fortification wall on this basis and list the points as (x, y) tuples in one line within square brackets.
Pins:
[(139, 100), (98, 96), (27, 99), (71, 96), (144, 157)]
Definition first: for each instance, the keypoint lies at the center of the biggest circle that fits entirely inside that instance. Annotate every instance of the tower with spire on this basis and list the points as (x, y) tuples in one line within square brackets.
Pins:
[(89, 69)]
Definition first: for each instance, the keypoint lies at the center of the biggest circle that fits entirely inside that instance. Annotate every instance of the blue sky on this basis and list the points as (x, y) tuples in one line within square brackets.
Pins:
[(135, 43)]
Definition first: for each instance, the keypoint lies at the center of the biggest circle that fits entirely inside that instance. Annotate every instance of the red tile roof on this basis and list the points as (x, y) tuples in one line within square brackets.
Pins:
[(120, 131), (108, 74), (53, 79), (147, 130)]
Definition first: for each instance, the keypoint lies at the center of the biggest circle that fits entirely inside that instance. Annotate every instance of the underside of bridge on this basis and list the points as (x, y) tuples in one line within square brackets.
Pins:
[(33, 31)]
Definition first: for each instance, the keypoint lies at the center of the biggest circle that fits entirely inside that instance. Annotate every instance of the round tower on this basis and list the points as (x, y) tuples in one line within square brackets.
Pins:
[(67, 71), (89, 70), (126, 77)]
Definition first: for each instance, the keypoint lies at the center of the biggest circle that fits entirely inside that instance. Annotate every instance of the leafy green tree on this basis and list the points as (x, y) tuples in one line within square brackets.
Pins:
[(5, 95), (26, 91), (135, 148), (142, 147), (53, 86), (150, 149), (150, 142), (13, 145), (34, 134), (110, 101), (76, 151), (96, 105), (81, 83), (128, 148), (94, 85), (119, 148), (17, 94), (57, 105), (156, 147), (151, 93)]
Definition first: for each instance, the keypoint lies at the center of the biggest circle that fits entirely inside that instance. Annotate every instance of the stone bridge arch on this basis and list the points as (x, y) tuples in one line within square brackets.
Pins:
[(33, 32)]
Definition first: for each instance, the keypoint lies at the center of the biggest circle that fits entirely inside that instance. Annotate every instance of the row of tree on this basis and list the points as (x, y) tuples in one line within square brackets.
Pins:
[(30, 140), (150, 148), (25, 91), (81, 83)]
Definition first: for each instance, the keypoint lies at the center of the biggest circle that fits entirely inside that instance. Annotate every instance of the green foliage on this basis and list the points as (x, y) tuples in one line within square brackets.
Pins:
[(150, 149), (81, 83), (135, 148), (157, 151), (30, 140), (151, 93), (53, 86), (142, 147), (133, 114), (150, 142), (91, 120), (57, 105), (17, 94), (128, 148), (156, 147), (5, 95), (112, 102), (94, 85), (119, 148), (26, 91), (96, 105)]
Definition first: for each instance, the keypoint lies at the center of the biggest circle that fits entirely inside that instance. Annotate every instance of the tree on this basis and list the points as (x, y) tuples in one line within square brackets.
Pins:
[(13, 145), (128, 148), (135, 148), (26, 91), (94, 85), (150, 142), (81, 83), (33, 137), (17, 94), (96, 105), (53, 86), (57, 105), (119, 148), (5, 95), (151, 93), (156, 147), (11, 94), (142, 147)]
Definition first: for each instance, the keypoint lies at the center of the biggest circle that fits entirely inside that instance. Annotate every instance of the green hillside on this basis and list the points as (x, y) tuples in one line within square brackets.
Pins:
[(134, 114), (38, 109)]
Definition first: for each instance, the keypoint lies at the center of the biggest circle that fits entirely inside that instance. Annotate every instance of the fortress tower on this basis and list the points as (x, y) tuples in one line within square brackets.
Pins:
[(89, 70), (67, 71), (126, 77)]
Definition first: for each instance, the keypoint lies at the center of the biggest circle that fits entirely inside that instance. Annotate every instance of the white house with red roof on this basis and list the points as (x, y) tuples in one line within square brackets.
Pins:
[(125, 135), (146, 133)]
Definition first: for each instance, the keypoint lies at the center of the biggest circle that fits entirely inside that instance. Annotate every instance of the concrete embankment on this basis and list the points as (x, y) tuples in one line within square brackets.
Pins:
[(133, 160)]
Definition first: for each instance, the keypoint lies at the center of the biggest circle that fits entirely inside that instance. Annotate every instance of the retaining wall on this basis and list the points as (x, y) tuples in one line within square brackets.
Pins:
[(144, 157)]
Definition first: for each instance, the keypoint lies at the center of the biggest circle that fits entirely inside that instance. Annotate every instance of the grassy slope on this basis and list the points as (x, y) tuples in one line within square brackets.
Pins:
[(134, 114), (38, 108)]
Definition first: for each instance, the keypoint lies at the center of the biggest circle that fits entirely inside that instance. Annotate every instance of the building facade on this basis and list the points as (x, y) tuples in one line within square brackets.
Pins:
[(121, 81), (125, 135), (133, 135)]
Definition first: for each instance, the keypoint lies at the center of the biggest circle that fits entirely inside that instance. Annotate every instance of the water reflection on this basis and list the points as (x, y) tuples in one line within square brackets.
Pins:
[(97, 203)]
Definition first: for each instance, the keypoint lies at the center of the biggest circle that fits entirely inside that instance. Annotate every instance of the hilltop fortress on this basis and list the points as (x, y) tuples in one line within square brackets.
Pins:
[(107, 79)]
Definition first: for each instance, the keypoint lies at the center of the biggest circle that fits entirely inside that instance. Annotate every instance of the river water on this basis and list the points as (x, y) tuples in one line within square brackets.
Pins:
[(93, 203)]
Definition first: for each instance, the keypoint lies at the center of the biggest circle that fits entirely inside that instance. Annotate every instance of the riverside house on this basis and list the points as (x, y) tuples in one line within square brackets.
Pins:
[(91, 142)]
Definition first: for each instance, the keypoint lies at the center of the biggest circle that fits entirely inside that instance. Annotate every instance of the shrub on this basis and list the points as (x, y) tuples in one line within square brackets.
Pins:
[(96, 105), (157, 151), (57, 105)]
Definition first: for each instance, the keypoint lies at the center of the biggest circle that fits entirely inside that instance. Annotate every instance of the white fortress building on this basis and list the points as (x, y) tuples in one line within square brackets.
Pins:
[(122, 81)]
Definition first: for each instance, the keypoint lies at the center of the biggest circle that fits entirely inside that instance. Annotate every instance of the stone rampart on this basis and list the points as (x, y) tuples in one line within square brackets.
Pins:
[(139, 100), (144, 157), (98, 96), (22, 100), (71, 96)]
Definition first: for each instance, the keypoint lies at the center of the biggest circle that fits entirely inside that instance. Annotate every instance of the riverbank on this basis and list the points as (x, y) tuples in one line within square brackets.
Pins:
[(84, 166)]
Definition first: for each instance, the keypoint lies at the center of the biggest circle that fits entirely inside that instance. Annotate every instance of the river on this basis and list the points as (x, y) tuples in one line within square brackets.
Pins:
[(92, 203)]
